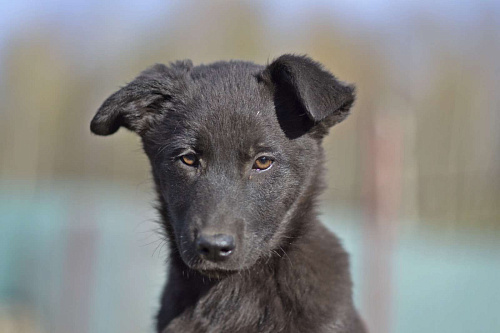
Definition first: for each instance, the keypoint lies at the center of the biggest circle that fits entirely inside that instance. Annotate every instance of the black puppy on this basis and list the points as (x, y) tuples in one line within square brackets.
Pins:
[(236, 155)]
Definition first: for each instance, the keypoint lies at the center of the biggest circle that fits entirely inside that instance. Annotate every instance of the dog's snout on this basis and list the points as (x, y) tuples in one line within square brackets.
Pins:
[(215, 247)]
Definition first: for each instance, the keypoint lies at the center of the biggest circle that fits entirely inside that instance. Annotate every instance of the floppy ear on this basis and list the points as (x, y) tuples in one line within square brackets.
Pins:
[(137, 105), (303, 87)]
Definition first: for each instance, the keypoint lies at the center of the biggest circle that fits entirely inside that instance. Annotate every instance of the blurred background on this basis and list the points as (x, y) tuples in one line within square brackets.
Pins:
[(413, 174)]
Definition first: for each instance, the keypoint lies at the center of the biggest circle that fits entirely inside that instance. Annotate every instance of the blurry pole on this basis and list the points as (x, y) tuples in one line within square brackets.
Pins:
[(383, 141)]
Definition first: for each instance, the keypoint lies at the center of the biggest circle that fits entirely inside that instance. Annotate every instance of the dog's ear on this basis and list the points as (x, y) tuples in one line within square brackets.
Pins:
[(302, 87), (137, 105)]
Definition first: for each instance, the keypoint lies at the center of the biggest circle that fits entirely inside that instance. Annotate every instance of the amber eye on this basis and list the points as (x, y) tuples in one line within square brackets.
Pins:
[(262, 163), (189, 159)]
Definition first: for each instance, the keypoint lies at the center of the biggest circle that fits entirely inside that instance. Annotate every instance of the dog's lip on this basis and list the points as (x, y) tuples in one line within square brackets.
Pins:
[(217, 272)]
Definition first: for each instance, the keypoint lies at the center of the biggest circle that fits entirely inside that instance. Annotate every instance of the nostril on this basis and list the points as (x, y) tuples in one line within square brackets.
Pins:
[(203, 246), (226, 251), (204, 250), (226, 244)]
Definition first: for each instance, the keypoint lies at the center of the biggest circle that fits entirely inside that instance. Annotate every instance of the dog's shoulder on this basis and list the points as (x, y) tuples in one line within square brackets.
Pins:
[(314, 281)]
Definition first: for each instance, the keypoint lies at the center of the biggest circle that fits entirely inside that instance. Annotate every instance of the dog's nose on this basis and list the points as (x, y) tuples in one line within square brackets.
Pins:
[(215, 247)]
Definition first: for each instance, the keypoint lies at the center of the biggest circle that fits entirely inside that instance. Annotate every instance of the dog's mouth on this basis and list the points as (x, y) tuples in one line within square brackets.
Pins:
[(212, 269), (217, 273)]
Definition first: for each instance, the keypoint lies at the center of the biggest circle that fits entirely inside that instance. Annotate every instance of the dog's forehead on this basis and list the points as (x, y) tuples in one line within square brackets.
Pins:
[(225, 106), (228, 101), (228, 86)]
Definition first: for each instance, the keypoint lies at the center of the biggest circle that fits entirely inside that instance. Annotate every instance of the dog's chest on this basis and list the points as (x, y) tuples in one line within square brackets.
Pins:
[(234, 307)]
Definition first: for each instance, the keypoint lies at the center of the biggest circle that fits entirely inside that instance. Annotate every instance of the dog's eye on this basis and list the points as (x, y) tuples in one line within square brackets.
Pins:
[(262, 163), (189, 159)]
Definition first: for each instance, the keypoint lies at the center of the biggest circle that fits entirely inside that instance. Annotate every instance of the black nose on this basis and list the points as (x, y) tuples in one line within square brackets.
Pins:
[(215, 247)]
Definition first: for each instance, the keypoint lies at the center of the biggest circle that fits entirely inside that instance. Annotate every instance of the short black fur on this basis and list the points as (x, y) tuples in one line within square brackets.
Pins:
[(270, 265)]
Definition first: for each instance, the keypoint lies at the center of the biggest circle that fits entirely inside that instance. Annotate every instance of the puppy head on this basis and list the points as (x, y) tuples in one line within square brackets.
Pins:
[(234, 149)]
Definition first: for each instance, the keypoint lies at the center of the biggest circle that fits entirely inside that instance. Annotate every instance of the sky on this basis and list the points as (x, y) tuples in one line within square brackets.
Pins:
[(128, 19), (15, 14)]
